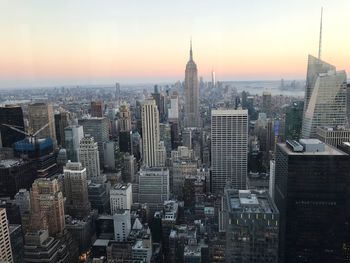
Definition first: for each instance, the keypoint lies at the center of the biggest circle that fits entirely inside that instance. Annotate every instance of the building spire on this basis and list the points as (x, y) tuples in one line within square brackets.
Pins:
[(191, 55), (320, 40)]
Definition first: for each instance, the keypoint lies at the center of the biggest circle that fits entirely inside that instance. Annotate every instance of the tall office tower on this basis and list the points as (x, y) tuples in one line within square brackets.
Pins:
[(97, 109), (5, 242), (159, 98), (252, 227), (173, 110), (120, 197), (11, 115), (165, 136), (125, 143), (122, 225), (153, 187), (76, 190), (99, 129), (150, 133), (325, 97), (293, 121), (89, 158), (266, 103), (129, 168), (311, 193), (213, 79), (73, 135), (117, 92), (334, 136), (192, 117), (47, 207), (39, 115), (124, 118), (229, 148), (62, 120)]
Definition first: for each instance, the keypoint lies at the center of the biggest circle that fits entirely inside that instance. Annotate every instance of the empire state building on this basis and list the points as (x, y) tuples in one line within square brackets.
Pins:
[(192, 118)]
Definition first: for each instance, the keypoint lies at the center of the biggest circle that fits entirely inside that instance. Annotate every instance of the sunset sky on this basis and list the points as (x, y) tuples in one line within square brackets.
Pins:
[(57, 42)]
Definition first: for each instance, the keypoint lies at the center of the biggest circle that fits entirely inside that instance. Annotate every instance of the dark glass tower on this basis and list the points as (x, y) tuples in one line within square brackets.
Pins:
[(294, 119), (311, 195), (11, 115)]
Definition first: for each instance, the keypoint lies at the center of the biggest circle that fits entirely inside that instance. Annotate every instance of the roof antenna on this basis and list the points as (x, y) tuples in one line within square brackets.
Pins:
[(320, 40)]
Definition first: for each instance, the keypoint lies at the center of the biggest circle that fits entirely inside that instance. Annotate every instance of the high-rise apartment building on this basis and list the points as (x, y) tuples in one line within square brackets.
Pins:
[(39, 115), (97, 109), (192, 117), (120, 197), (89, 157), (311, 192), (11, 115), (229, 148), (73, 135), (325, 97), (150, 133), (47, 206), (97, 127), (5, 242), (252, 227), (76, 190)]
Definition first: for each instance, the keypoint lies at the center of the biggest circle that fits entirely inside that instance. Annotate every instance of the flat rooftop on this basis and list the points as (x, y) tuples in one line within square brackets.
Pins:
[(328, 150), (250, 201)]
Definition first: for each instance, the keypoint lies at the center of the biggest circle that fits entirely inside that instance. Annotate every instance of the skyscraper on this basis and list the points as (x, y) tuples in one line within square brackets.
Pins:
[(47, 207), (11, 115), (252, 227), (97, 127), (325, 97), (76, 190), (73, 135), (294, 119), (5, 242), (62, 120), (192, 117), (89, 157), (97, 109), (311, 192), (229, 148), (150, 133), (266, 103), (120, 197), (39, 115)]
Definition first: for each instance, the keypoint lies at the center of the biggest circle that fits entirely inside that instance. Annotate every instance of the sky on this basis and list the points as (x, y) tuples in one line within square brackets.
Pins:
[(77, 42)]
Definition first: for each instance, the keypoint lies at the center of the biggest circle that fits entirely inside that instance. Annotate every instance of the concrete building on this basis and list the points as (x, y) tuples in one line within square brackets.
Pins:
[(153, 187), (39, 115), (325, 97), (120, 197), (173, 110), (334, 136), (129, 168), (192, 117), (97, 109), (76, 190), (122, 225), (229, 148), (47, 207), (17, 243), (150, 133), (89, 158), (109, 151), (98, 128), (73, 135), (5, 242), (311, 192), (124, 119), (252, 222)]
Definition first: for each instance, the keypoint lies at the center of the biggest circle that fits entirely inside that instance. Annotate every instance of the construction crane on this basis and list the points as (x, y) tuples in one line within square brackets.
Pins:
[(32, 137)]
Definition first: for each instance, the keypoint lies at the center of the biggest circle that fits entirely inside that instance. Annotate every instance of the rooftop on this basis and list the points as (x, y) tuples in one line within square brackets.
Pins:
[(250, 201), (10, 163), (328, 150)]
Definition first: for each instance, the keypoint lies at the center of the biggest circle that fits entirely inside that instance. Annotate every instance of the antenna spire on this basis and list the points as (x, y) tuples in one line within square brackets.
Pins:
[(191, 55), (320, 40)]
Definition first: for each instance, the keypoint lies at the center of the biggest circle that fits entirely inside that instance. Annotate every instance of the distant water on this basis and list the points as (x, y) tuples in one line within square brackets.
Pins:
[(288, 88)]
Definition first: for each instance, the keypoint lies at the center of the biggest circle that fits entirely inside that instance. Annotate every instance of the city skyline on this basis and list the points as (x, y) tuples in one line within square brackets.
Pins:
[(62, 43)]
